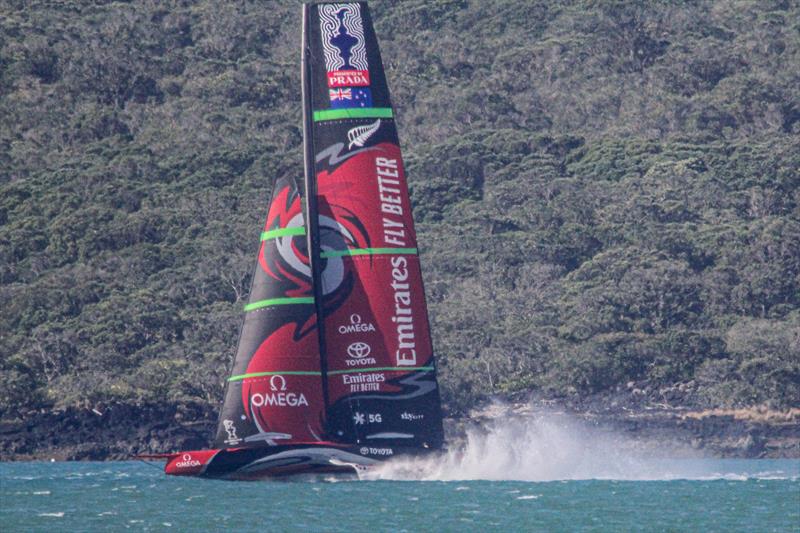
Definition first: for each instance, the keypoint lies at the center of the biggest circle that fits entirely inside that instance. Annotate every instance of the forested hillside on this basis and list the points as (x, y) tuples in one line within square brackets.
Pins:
[(607, 193)]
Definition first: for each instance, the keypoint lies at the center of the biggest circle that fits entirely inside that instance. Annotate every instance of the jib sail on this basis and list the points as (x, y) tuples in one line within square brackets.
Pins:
[(380, 379), (274, 393)]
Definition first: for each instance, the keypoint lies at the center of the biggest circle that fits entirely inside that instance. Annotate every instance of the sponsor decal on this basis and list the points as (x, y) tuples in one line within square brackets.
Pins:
[(348, 379), (278, 397), (406, 354), (277, 382), (411, 416), (350, 97), (367, 418), (364, 382), (361, 134), (390, 195), (358, 350), (358, 353), (348, 78), (230, 429), (356, 326), (344, 45), (366, 450), (187, 462)]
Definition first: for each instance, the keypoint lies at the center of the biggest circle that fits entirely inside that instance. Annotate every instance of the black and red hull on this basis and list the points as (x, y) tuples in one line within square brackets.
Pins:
[(279, 461)]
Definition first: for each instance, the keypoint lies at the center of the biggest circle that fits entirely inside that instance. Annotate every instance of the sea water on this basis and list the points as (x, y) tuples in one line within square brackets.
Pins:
[(678, 495), (543, 472)]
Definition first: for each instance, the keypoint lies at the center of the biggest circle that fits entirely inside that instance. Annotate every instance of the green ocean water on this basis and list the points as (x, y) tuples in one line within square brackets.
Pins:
[(724, 495)]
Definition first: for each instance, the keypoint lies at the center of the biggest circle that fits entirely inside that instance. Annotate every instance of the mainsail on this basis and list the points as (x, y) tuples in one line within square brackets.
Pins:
[(364, 374), (334, 369), (273, 395), (377, 358)]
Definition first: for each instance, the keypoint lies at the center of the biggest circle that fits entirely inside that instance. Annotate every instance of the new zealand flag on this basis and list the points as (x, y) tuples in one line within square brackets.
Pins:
[(344, 98)]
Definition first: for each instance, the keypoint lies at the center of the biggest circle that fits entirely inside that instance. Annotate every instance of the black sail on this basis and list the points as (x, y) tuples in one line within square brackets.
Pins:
[(378, 362), (273, 394)]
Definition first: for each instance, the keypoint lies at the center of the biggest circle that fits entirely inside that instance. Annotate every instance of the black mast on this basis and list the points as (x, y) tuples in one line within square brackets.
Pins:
[(311, 202)]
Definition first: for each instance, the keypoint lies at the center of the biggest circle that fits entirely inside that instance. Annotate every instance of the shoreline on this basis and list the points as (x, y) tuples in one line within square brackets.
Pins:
[(121, 431)]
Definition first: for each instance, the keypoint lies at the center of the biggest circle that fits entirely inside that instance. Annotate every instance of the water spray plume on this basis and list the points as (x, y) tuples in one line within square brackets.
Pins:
[(551, 446)]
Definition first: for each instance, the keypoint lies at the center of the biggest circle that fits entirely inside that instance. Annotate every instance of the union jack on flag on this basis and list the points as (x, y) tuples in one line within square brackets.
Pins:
[(340, 94)]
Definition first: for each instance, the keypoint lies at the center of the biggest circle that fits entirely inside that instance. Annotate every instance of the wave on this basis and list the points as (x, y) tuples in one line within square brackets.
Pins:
[(555, 447)]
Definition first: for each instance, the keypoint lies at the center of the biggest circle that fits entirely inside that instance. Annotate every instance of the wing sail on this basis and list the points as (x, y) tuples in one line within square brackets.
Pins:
[(380, 372)]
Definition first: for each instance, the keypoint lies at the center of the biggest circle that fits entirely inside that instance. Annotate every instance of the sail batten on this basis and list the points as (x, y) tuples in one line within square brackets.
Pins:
[(339, 114), (368, 251), (275, 373), (283, 232), (254, 306), (384, 369)]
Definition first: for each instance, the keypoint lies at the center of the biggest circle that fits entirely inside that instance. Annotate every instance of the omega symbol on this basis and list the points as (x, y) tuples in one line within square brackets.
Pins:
[(277, 378)]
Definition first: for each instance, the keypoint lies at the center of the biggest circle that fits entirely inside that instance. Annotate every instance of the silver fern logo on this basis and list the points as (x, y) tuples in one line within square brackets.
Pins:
[(361, 134)]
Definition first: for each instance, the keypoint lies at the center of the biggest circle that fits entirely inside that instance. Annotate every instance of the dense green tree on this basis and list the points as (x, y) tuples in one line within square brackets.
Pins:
[(606, 192)]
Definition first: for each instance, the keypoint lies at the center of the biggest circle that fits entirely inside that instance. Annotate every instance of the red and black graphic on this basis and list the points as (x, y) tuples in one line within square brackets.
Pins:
[(335, 368), (376, 342), (273, 395), (380, 366)]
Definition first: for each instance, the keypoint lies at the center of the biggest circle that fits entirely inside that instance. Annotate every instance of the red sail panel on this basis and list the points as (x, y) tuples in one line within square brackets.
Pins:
[(274, 392), (370, 249), (381, 380)]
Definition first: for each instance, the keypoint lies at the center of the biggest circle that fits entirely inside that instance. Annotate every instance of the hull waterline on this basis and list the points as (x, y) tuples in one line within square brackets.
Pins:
[(279, 461)]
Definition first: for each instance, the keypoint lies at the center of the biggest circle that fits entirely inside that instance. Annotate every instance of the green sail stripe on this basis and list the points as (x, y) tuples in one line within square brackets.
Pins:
[(333, 372), (369, 251), (382, 369), (278, 301), (274, 234), (355, 112), (286, 373)]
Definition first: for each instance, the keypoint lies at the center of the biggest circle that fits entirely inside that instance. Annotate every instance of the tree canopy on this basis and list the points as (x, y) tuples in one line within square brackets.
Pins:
[(607, 193)]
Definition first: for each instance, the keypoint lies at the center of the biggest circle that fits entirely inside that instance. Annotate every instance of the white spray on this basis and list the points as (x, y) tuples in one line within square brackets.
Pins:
[(548, 446)]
